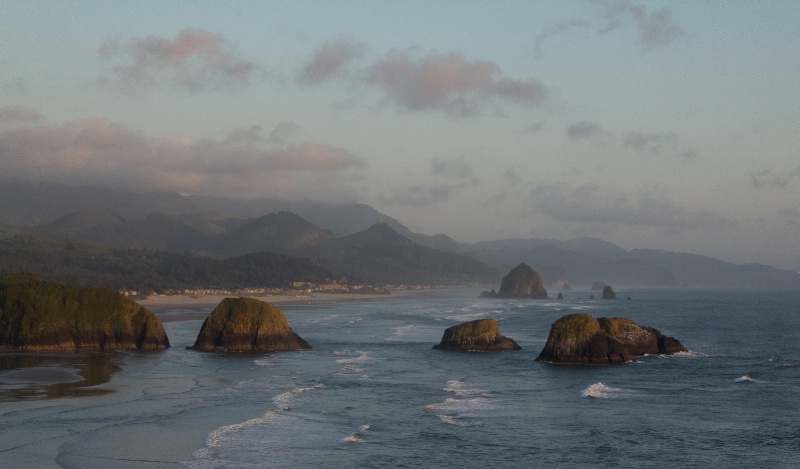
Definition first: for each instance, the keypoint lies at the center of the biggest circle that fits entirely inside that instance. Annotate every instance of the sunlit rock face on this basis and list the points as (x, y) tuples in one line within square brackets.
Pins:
[(247, 325), (481, 335), (582, 339)]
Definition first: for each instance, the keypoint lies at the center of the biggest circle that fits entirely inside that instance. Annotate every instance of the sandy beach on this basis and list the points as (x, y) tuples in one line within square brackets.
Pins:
[(179, 307)]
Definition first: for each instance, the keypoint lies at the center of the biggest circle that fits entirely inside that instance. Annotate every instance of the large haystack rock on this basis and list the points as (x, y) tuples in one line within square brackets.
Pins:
[(609, 293), (522, 282), (481, 335), (37, 315), (582, 339), (247, 325)]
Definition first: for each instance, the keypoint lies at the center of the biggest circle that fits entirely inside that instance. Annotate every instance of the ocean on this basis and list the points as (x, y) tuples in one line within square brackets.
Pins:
[(373, 393)]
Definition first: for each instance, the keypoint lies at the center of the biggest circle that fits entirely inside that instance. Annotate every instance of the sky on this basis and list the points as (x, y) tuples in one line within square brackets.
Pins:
[(661, 125)]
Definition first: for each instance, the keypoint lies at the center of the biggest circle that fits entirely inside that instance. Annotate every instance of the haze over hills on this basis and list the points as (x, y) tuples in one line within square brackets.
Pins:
[(354, 240)]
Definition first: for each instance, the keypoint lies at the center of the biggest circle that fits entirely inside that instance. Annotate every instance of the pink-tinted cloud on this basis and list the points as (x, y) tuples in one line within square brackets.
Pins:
[(449, 83), (196, 60), (330, 60), (16, 113), (102, 153)]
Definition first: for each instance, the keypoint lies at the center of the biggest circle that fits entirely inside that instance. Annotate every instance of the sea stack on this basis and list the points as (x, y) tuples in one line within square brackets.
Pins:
[(522, 282), (481, 335), (37, 315), (608, 293), (247, 325), (582, 339)]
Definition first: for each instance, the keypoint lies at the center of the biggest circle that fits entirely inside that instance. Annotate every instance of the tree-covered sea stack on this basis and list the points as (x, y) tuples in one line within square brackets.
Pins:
[(38, 315), (481, 335), (247, 325), (582, 339)]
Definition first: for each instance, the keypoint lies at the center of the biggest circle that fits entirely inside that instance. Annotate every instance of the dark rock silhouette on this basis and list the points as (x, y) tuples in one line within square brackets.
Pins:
[(247, 325), (38, 315), (560, 296), (582, 339), (488, 294), (608, 293), (522, 282), (481, 335)]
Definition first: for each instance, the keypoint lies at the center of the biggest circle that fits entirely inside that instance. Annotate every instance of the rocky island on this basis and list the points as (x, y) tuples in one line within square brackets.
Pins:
[(247, 325), (37, 315), (582, 339), (521, 282), (481, 335)]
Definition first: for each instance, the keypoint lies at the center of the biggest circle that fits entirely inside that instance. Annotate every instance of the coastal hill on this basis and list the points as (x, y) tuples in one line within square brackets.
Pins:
[(220, 228)]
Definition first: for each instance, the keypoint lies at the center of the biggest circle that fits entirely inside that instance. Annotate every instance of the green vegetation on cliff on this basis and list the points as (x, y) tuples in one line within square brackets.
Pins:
[(247, 325), (40, 315)]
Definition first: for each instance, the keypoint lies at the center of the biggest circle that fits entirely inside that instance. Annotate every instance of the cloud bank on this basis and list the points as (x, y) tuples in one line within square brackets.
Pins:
[(103, 153), (196, 60)]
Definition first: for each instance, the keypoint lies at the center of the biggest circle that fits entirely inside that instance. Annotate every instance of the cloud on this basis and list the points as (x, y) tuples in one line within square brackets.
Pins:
[(589, 204), (583, 130), (654, 28), (554, 30), (658, 144), (103, 153), (15, 113), (330, 60), (452, 168), (449, 83), (196, 60), (281, 132), (767, 179)]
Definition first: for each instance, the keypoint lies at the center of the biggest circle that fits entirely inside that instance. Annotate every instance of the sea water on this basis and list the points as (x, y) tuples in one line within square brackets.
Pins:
[(373, 393)]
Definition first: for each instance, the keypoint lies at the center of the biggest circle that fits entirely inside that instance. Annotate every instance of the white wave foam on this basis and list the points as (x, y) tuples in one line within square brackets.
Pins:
[(469, 401), (467, 316), (601, 391), (221, 435), (362, 357), (747, 379), (284, 400), (358, 436)]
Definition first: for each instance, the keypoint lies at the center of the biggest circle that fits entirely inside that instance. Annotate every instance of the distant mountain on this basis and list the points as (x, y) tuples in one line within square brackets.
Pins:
[(382, 255), (276, 232), (702, 271), (225, 227)]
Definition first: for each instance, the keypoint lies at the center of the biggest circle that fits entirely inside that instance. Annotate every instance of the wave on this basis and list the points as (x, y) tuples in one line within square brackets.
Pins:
[(469, 402), (601, 390), (747, 379), (284, 400), (358, 436), (467, 316), (362, 357)]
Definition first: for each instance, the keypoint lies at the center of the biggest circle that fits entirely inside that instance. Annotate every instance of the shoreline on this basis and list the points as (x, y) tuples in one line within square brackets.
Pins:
[(161, 304)]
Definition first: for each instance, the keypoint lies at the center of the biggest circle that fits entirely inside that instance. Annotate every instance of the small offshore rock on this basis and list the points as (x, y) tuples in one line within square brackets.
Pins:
[(481, 335)]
